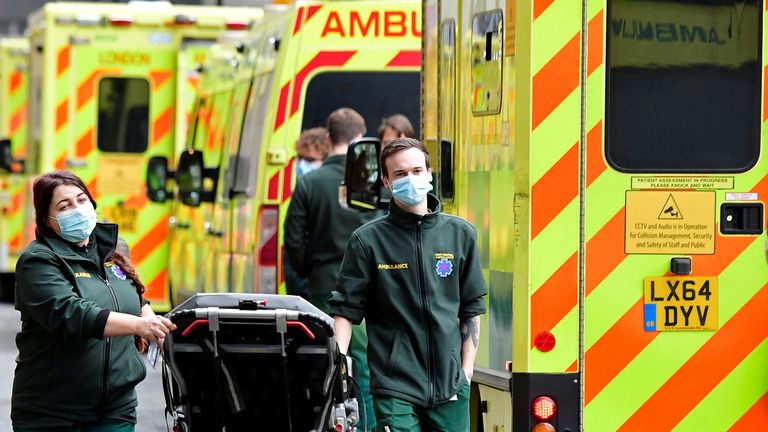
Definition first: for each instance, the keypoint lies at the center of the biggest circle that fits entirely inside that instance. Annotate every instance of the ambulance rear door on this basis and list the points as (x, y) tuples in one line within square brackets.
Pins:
[(123, 110), (676, 184)]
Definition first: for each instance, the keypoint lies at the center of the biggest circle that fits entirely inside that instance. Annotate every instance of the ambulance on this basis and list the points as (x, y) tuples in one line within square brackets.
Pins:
[(303, 62), (14, 197), (612, 157), (113, 84)]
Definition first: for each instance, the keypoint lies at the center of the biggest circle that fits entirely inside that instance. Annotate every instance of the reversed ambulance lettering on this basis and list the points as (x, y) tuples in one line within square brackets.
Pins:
[(127, 58)]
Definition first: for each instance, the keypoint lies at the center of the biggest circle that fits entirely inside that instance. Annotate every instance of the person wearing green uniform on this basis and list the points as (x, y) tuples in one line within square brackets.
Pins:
[(317, 229), (78, 362), (415, 277)]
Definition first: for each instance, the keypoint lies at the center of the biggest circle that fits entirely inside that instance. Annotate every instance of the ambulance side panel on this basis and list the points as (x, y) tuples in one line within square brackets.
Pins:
[(14, 196)]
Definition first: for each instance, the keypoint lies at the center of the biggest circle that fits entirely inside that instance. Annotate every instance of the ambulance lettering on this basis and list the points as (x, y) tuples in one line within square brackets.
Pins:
[(127, 58), (377, 24)]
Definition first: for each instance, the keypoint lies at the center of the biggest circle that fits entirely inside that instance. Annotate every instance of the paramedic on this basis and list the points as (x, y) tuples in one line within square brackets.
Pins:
[(415, 277), (78, 364), (311, 149), (317, 229), (395, 126)]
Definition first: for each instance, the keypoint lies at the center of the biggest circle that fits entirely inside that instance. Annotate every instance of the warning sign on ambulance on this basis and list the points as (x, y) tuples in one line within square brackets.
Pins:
[(680, 303), (675, 222), (120, 174)]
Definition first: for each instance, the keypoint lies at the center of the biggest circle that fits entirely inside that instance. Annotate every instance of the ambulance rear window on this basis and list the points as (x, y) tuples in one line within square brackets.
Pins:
[(375, 95), (683, 85), (123, 125)]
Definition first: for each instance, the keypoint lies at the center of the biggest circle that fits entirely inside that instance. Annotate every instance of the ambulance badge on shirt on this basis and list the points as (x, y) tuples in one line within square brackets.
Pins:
[(444, 266), (118, 272)]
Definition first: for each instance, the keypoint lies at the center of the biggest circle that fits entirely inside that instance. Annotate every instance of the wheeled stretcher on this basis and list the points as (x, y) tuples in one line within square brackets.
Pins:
[(255, 362)]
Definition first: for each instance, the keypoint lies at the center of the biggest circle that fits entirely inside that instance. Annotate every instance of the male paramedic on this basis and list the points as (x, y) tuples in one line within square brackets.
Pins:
[(415, 277)]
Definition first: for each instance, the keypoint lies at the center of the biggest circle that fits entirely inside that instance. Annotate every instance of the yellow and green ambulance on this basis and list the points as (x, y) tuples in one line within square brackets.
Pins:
[(112, 85), (298, 65), (612, 156), (14, 191)]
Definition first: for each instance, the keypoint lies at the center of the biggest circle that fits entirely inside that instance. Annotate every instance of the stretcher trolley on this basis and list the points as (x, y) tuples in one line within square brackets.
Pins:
[(255, 362)]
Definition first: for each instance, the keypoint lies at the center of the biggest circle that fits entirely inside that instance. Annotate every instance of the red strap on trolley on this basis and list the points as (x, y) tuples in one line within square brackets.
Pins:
[(303, 328), (193, 326), (300, 325)]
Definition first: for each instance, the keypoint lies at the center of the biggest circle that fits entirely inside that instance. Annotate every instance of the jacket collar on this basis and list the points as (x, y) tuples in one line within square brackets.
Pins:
[(104, 235), (335, 160), (410, 220)]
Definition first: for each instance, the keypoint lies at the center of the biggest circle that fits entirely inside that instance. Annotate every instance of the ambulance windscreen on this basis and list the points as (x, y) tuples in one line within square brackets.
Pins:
[(375, 95), (123, 119)]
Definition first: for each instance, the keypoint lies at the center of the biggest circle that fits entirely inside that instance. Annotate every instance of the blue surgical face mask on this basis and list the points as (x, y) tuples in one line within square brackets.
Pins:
[(77, 224), (304, 166), (412, 189)]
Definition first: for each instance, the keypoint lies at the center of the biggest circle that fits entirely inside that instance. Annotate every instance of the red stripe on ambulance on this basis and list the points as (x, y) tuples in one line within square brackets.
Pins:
[(159, 77), (62, 60), (406, 58), (17, 119), (281, 105), (300, 20), (555, 81), (84, 144), (162, 125), (287, 179), (15, 82), (323, 58), (62, 113)]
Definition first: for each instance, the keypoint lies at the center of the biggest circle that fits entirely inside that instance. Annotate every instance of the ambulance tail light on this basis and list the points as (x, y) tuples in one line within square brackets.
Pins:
[(120, 21), (238, 25), (268, 250), (543, 408)]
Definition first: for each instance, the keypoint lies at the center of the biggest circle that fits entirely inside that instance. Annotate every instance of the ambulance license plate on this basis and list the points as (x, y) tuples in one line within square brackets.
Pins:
[(680, 303)]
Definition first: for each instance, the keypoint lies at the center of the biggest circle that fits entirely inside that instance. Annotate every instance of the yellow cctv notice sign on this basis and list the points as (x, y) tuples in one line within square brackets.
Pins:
[(680, 303), (670, 222)]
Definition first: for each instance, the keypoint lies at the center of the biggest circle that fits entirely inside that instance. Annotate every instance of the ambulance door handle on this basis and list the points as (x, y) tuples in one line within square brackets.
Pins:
[(209, 230), (182, 225), (215, 233)]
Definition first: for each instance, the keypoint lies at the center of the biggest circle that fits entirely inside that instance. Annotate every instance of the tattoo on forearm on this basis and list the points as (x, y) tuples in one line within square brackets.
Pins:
[(470, 328)]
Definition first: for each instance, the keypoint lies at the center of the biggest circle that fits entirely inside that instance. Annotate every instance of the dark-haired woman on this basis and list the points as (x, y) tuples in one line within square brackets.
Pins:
[(78, 363)]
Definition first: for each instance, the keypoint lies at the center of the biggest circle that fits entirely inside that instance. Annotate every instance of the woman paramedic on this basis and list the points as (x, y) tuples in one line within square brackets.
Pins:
[(78, 363)]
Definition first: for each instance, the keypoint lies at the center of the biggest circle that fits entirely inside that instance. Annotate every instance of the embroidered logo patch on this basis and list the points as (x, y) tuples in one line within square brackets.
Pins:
[(118, 272), (444, 267)]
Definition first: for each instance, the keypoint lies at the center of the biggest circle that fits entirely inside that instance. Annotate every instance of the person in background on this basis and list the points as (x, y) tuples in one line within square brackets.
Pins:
[(415, 277), (317, 229), (78, 363), (312, 148), (395, 126)]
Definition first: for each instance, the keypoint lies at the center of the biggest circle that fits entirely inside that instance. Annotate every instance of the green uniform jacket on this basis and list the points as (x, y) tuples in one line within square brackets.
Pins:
[(413, 279), (66, 371), (317, 228)]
